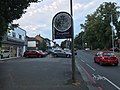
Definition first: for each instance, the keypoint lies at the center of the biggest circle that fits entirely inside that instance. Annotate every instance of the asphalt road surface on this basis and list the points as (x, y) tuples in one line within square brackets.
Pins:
[(104, 77), (38, 74)]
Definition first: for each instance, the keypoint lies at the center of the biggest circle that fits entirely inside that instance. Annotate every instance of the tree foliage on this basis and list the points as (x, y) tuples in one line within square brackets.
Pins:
[(97, 26), (11, 10), (66, 44), (79, 41)]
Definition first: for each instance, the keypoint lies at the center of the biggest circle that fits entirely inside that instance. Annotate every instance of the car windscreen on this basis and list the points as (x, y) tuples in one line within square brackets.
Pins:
[(108, 54), (57, 51)]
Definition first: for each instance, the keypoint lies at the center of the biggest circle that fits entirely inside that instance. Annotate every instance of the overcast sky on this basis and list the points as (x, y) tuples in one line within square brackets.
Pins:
[(38, 18)]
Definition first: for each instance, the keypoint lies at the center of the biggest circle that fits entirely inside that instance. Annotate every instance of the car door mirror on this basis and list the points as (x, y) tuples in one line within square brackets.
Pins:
[(96, 55)]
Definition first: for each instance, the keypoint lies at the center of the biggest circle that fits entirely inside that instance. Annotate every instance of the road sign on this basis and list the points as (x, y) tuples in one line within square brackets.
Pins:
[(62, 26)]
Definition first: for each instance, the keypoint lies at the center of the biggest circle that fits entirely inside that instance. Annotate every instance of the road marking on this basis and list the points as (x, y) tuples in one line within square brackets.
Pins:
[(90, 67), (89, 76), (112, 83), (98, 77), (82, 60)]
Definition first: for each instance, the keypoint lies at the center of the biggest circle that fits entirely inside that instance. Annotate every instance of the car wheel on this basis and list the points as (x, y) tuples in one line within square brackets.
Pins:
[(39, 56), (116, 64), (101, 63), (1, 56), (55, 55), (8, 56), (68, 56), (27, 56), (95, 61)]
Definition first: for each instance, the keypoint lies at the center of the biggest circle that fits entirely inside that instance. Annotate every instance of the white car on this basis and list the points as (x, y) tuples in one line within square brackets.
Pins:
[(5, 54), (87, 49)]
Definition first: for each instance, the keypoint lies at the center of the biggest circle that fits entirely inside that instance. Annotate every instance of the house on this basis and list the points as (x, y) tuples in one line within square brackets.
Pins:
[(15, 42), (37, 43), (32, 43)]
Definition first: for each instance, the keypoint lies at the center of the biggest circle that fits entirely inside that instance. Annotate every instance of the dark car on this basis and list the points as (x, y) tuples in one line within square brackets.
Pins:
[(116, 49), (32, 53), (61, 53), (106, 58)]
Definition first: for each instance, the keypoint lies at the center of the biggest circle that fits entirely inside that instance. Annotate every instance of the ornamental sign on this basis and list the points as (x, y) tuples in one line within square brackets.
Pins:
[(62, 26)]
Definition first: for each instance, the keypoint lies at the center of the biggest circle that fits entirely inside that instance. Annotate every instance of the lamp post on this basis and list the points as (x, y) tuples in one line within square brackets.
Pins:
[(72, 40), (112, 27)]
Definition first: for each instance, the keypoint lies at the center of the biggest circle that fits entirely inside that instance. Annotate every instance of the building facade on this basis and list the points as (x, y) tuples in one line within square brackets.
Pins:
[(32, 43), (37, 43), (15, 42)]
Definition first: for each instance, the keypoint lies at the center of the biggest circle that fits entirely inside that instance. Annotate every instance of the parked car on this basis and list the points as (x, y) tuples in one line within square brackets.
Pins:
[(61, 53), (43, 54), (32, 53), (87, 49), (106, 58), (69, 51), (5, 54), (116, 49)]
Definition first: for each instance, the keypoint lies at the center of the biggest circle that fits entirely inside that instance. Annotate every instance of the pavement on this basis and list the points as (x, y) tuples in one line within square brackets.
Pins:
[(44, 74)]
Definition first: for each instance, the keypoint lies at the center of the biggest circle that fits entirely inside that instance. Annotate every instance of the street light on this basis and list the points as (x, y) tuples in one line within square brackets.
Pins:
[(112, 27)]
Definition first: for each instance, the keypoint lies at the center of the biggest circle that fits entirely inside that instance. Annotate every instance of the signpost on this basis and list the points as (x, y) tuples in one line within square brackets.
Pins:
[(62, 26)]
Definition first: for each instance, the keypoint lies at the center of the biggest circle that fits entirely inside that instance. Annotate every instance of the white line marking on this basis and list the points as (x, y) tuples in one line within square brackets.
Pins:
[(82, 60), (90, 67), (112, 83), (98, 77)]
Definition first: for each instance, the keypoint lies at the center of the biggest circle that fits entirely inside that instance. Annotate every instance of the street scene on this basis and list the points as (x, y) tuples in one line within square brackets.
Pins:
[(59, 45)]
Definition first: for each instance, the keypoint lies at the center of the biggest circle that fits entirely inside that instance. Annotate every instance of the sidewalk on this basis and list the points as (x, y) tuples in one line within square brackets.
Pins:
[(4, 59)]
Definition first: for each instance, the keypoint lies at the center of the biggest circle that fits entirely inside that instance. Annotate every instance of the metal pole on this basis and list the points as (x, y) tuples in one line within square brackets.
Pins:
[(73, 55), (112, 39), (112, 33)]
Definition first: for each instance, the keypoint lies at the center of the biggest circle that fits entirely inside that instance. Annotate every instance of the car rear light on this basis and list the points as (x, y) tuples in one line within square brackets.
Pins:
[(102, 57)]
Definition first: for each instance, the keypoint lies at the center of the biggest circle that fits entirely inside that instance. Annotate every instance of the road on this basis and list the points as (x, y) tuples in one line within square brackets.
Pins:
[(103, 77), (38, 74)]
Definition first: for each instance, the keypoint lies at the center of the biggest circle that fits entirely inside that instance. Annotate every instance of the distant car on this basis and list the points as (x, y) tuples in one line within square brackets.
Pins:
[(87, 49), (61, 53), (116, 49), (69, 51), (5, 54), (106, 58), (32, 53)]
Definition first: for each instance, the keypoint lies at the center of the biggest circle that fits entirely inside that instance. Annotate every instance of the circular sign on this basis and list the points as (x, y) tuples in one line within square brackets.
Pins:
[(62, 21)]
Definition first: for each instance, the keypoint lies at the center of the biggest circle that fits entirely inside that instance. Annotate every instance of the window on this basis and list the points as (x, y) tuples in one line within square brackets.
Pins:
[(20, 36), (13, 34)]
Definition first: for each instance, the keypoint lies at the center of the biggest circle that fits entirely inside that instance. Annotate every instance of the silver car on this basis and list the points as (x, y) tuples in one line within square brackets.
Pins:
[(61, 53)]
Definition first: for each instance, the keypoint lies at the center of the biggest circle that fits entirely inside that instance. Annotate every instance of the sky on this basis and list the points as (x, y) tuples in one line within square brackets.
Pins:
[(38, 17)]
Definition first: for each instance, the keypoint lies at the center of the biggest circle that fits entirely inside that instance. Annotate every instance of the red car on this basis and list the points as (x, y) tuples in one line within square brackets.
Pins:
[(32, 53), (106, 58), (43, 54)]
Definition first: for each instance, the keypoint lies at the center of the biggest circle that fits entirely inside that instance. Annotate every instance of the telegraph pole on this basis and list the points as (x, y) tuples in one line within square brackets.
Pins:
[(72, 40)]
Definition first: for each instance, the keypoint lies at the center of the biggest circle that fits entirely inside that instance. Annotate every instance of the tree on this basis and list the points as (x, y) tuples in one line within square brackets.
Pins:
[(79, 41), (66, 44), (11, 10), (42, 46), (97, 26)]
